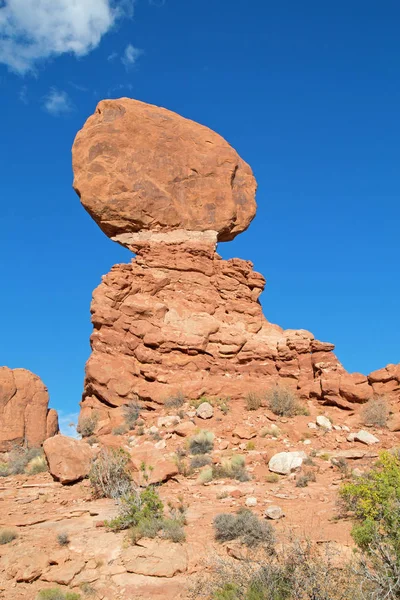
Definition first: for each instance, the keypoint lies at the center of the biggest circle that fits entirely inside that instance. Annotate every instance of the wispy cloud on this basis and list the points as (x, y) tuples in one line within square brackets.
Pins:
[(32, 31), (112, 56), (57, 102), (68, 423), (130, 56), (118, 88), (23, 94)]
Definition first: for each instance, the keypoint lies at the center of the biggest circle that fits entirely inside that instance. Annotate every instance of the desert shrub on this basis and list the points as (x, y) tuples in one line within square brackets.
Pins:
[(272, 478), (63, 539), (270, 430), (4, 470), (173, 530), (376, 412), (137, 507), (305, 478), (37, 465), (253, 401), (131, 413), (341, 464), (87, 425), (88, 589), (374, 499), (7, 536), (234, 468), (120, 430), (57, 594), (182, 465), (250, 445), (175, 401), (19, 458), (202, 443), (246, 527), (109, 474), (206, 475), (283, 402), (140, 430), (200, 460)]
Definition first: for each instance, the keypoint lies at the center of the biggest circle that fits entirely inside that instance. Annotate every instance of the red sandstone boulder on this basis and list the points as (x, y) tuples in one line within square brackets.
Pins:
[(140, 167), (69, 460), (24, 414)]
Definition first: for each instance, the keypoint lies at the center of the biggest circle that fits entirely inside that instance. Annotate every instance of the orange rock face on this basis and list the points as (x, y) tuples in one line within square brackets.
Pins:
[(24, 414), (140, 167), (179, 318)]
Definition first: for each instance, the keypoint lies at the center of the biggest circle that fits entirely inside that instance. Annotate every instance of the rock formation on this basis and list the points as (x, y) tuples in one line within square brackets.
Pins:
[(179, 318), (24, 414)]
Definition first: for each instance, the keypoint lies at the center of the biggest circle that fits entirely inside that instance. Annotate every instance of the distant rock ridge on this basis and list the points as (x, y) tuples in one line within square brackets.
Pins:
[(25, 417), (178, 317)]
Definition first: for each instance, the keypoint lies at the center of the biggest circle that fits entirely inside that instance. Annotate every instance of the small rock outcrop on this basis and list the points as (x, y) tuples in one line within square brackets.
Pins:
[(178, 317), (25, 417)]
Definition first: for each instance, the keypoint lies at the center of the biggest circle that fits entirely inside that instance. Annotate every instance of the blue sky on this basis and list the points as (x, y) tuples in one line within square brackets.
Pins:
[(307, 92)]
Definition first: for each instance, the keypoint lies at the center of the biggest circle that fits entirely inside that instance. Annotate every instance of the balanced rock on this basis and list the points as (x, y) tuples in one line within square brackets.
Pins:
[(139, 167), (69, 460), (25, 417), (178, 317)]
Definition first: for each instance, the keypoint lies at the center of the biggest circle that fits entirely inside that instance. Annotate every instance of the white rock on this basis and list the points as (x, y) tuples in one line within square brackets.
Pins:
[(307, 442), (366, 438), (351, 437), (345, 428), (324, 422), (312, 425), (205, 411), (251, 501), (153, 429), (168, 421), (337, 428), (160, 445), (286, 462), (274, 512)]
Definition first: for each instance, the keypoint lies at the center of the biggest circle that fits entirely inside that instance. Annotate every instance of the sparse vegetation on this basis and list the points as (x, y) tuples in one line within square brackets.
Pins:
[(7, 536), (131, 413), (297, 571), (233, 468), (246, 527), (270, 430), (87, 425), (173, 530), (253, 401), (304, 479), (63, 539), (120, 430), (376, 412), (284, 403), (37, 465), (202, 443), (109, 474), (175, 401), (57, 594), (199, 461), (250, 445), (272, 478)]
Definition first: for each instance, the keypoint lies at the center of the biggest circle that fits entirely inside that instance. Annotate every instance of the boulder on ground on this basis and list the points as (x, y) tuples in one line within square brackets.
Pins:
[(285, 463), (274, 512), (205, 411), (365, 437), (69, 460)]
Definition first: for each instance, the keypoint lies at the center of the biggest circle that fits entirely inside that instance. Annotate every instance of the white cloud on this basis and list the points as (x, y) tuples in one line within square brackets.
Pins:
[(130, 55), (33, 30), (57, 102), (23, 94), (68, 423)]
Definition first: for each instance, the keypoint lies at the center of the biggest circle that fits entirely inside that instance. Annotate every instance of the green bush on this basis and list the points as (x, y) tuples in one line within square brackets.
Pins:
[(283, 402), (136, 508), (57, 594), (233, 468), (202, 443), (37, 465), (19, 459), (376, 412), (173, 530), (109, 475), (246, 527), (131, 413), (7, 536)]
